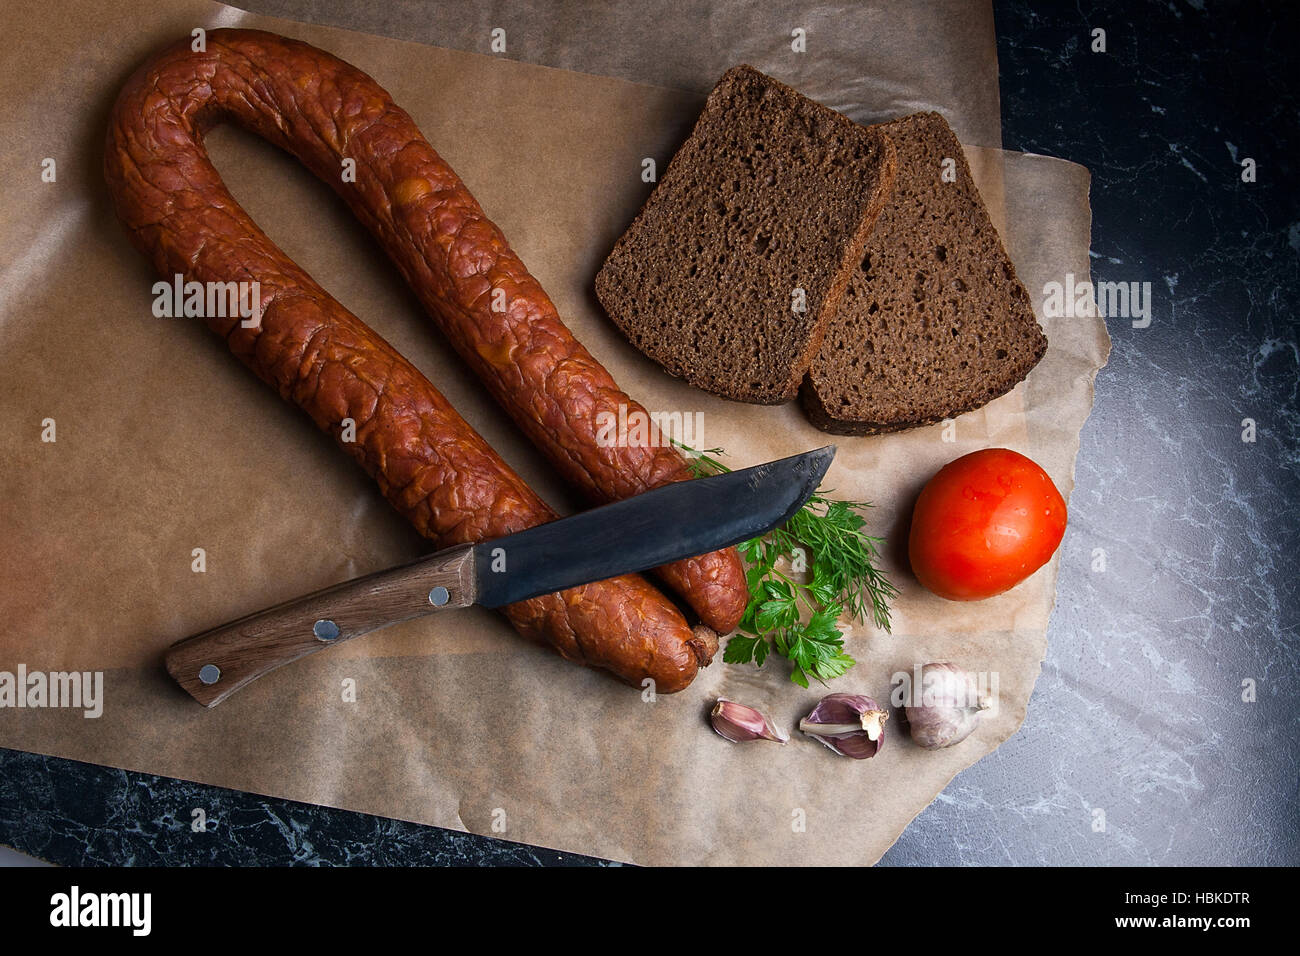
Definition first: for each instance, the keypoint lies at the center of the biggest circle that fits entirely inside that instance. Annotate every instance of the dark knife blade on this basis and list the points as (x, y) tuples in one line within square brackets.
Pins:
[(661, 526), (676, 521)]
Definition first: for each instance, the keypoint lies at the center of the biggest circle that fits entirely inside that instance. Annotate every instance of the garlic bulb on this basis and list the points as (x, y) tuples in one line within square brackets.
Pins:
[(946, 707)]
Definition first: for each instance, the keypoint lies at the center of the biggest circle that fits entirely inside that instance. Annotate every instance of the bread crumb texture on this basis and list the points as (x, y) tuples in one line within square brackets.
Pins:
[(772, 193), (934, 322)]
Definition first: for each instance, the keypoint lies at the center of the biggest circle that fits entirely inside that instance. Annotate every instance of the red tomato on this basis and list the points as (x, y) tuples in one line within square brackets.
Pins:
[(983, 524)]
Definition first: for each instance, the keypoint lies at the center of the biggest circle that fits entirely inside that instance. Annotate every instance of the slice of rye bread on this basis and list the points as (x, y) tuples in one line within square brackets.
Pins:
[(934, 322), (771, 193)]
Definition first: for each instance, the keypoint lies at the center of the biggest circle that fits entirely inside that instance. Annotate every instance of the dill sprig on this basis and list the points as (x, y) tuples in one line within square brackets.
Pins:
[(799, 619)]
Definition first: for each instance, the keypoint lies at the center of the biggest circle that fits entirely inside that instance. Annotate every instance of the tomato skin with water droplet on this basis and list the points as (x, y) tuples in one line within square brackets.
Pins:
[(983, 524)]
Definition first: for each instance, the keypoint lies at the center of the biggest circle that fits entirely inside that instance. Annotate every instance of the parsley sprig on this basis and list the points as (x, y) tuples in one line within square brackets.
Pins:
[(799, 619)]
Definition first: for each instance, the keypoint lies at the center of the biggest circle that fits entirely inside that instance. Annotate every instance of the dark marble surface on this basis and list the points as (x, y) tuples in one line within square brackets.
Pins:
[(1139, 711), (1138, 714)]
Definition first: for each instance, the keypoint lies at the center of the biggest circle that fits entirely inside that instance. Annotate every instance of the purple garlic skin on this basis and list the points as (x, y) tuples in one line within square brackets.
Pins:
[(949, 706), (849, 724), (741, 724)]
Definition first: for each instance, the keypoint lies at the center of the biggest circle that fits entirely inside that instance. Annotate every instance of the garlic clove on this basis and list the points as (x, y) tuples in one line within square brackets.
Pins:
[(849, 724), (949, 708), (741, 724)]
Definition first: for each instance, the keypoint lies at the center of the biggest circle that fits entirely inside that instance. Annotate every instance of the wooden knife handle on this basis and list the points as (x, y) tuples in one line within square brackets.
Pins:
[(213, 665)]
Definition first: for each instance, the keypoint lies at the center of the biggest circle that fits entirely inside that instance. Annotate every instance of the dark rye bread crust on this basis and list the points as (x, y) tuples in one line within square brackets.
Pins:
[(935, 322), (770, 193)]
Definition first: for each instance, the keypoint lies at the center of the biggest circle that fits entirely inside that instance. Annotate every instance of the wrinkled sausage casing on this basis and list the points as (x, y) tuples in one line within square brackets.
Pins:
[(431, 465), (472, 285)]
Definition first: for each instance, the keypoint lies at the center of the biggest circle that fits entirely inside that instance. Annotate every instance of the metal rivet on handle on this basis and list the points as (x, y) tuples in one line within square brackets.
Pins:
[(439, 596), (209, 674), (325, 630)]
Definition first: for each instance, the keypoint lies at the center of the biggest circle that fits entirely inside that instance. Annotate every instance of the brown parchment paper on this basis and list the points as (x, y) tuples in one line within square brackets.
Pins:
[(872, 60), (165, 443)]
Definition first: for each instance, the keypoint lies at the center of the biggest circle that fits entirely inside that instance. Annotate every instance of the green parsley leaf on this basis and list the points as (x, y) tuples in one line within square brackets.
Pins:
[(845, 579)]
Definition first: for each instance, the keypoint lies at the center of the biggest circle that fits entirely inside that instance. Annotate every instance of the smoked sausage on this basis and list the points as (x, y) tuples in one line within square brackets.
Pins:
[(429, 463), (471, 284)]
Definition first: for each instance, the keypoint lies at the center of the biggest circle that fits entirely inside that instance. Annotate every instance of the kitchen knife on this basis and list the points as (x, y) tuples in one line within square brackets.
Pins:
[(666, 524)]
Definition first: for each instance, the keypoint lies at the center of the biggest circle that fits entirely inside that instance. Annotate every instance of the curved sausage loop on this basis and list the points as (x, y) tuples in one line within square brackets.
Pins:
[(470, 282), (430, 464)]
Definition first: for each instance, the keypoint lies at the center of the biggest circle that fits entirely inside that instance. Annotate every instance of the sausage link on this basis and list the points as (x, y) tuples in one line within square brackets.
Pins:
[(462, 269), (431, 465)]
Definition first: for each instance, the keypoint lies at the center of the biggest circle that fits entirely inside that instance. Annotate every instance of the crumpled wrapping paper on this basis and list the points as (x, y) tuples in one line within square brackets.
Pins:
[(872, 60), (165, 443)]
